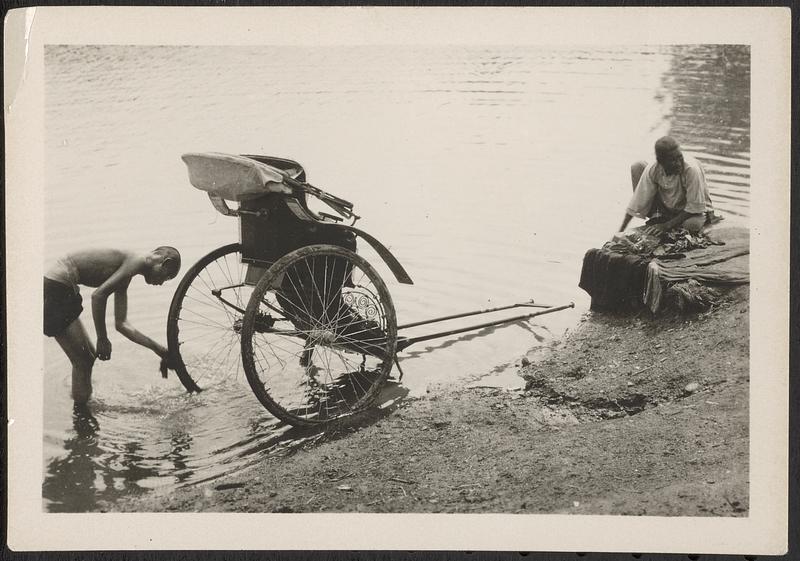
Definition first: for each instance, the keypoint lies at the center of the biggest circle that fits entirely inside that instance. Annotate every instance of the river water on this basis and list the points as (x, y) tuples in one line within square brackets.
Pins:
[(487, 171)]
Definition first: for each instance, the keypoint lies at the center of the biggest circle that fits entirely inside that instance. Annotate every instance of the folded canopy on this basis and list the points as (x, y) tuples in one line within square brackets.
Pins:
[(234, 178)]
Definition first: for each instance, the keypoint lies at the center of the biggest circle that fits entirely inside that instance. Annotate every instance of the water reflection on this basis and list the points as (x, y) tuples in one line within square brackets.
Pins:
[(178, 456), (88, 473)]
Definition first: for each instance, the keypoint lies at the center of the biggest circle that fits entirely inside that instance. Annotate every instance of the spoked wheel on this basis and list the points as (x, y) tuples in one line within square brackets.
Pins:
[(205, 319), (319, 335)]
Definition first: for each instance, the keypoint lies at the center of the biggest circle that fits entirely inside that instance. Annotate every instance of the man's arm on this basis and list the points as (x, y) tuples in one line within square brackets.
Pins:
[(119, 280), (124, 326), (643, 195), (103, 347)]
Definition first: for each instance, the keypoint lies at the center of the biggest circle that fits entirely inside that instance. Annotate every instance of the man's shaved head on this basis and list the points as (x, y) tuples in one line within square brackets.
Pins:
[(668, 154), (665, 145)]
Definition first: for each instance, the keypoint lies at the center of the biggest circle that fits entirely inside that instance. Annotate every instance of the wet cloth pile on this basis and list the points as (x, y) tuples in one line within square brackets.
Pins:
[(727, 264), (635, 268)]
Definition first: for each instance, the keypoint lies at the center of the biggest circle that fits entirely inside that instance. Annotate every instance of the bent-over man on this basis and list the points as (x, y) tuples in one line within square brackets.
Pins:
[(109, 271)]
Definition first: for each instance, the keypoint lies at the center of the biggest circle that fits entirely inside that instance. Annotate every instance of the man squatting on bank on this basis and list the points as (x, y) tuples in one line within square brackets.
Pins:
[(109, 271), (671, 192)]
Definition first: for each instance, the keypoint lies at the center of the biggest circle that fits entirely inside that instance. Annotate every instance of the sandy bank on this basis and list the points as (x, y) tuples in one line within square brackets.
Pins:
[(625, 415)]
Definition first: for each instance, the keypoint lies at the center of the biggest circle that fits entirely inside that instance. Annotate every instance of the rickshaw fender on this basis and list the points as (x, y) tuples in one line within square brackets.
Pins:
[(391, 261)]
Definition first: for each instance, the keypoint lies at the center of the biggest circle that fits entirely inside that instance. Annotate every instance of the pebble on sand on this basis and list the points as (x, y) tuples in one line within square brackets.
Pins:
[(691, 388)]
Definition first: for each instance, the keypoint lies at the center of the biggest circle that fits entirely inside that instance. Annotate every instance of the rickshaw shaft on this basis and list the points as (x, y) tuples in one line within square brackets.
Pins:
[(529, 304), (404, 342)]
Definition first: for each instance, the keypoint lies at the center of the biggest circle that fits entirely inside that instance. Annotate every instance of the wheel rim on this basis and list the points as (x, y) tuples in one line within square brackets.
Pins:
[(319, 336), (206, 319)]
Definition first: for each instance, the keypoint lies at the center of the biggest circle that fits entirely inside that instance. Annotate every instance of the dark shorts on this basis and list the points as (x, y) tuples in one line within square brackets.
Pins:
[(62, 306)]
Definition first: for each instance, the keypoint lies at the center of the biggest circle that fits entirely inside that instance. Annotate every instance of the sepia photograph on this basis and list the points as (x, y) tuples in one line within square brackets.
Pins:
[(399, 274)]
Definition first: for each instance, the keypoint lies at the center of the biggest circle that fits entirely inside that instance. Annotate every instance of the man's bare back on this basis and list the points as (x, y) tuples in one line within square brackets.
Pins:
[(95, 266)]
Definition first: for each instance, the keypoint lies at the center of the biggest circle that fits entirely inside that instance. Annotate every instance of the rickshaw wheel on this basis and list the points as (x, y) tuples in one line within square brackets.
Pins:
[(331, 339), (202, 329)]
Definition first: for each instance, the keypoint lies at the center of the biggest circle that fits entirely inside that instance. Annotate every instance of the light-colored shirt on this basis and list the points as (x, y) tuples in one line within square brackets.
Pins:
[(686, 190)]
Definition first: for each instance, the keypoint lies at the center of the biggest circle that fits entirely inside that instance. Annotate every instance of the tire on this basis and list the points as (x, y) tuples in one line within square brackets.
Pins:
[(319, 336), (202, 330)]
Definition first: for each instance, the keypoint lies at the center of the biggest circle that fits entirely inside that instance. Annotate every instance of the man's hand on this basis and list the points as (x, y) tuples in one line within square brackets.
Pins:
[(164, 367), (657, 229), (167, 363), (103, 348)]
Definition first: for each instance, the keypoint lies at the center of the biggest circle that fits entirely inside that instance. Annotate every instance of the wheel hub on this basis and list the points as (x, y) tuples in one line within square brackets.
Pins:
[(323, 336)]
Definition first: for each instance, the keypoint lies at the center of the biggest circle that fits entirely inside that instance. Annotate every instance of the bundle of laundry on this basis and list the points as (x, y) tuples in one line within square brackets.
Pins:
[(636, 268)]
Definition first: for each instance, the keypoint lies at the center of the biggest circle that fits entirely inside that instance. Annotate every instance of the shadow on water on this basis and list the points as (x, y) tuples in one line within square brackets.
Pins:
[(471, 336), (710, 87)]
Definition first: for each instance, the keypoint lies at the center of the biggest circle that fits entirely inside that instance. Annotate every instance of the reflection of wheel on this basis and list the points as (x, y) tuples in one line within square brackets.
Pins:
[(205, 318), (319, 335)]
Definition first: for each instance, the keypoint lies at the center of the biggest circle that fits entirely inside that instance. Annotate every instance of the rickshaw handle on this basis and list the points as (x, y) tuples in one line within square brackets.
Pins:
[(342, 206)]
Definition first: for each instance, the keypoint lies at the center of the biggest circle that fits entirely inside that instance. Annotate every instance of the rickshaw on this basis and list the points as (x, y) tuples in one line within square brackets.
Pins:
[(309, 320)]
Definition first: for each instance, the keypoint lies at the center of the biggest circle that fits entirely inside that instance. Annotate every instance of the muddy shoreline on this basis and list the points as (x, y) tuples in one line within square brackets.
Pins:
[(624, 415)]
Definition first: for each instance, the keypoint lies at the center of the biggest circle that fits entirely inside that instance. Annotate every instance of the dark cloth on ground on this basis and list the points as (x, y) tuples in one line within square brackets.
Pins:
[(613, 280), (62, 306)]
